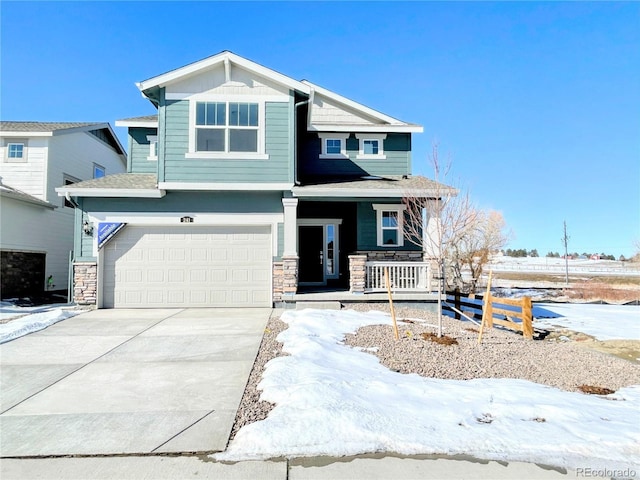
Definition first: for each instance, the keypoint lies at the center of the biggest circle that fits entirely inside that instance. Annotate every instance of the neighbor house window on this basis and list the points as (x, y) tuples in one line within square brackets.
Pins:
[(371, 145), (334, 145), (153, 147), (226, 127), (16, 151), (68, 180), (98, 171), (389, 224)]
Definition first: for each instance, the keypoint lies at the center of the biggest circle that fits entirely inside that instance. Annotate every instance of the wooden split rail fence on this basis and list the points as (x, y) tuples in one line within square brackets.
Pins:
[(514, 314)]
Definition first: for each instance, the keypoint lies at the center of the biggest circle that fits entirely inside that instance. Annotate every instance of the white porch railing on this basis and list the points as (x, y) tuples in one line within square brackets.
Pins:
[(403, 276)]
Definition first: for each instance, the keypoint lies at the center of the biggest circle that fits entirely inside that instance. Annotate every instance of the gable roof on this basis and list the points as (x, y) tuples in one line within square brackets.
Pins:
[(223, 58), (358, 107), (51, 129), (365, 119)]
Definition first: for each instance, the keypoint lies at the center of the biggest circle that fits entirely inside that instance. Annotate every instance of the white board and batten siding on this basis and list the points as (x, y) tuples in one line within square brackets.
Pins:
[(188, 266)]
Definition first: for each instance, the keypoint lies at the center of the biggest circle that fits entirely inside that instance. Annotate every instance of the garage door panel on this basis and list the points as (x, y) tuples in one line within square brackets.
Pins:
[(188, 266)]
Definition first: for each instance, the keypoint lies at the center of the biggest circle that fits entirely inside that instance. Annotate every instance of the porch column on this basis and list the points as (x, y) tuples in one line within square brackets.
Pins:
[(432, 235), (357, 273), (290, 227), (290, 252)]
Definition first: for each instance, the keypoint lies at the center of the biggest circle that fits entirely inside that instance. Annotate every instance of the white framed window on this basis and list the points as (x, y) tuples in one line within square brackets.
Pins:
[(98, 171), (334, 145), (227, 129), (389, 224), (153, 147), (371, 145), (16, 151)]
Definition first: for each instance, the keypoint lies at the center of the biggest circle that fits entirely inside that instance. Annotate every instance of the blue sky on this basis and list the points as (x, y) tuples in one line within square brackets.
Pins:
[(537, 104)]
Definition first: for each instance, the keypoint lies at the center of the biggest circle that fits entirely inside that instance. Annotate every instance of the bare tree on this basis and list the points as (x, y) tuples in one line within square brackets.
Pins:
[(473, 249), (451, 230), (434, 216)]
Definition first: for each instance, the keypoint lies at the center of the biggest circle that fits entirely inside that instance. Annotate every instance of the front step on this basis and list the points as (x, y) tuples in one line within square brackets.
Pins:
[(319, 305)]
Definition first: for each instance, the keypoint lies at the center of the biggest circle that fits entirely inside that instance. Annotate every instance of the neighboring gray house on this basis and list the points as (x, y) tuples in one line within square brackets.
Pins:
[(246, 185), (36, 225)]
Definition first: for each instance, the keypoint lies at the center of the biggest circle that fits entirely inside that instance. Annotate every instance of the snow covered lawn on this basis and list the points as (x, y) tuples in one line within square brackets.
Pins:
[(332, 399), (24, 320)]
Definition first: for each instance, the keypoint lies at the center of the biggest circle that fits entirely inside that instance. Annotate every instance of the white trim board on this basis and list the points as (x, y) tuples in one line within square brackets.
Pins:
[(199, 220), (220, 186), (111, 192)]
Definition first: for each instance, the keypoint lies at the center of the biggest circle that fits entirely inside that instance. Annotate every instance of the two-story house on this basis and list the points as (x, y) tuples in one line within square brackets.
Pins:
[(36, 225), (246, 185)]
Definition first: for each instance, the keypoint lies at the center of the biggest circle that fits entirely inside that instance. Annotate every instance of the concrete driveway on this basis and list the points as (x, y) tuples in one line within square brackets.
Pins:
[(128, 381)]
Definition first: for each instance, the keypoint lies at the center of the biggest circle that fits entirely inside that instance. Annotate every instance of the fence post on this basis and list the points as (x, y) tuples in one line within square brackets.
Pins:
[(527, 318), (456, 302)]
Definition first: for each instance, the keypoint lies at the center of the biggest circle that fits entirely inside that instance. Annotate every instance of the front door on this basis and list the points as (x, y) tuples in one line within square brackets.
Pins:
[(311, 254)]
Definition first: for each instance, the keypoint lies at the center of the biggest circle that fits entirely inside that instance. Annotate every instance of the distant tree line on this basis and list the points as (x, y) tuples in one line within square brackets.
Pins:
[(523, 252), (520, 253)]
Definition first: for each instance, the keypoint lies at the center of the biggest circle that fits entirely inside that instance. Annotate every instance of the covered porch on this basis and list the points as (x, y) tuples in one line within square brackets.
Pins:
[(340, 237)]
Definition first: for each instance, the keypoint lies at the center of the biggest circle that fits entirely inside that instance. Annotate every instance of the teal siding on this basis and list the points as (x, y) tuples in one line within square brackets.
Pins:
[(280, 242), (367, 234), (397, 149), (192, 202), (82, 243), (177, 168), (139, 150)]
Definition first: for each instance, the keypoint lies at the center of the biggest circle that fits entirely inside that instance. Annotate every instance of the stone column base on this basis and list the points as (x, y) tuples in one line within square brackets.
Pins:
[(85, 283), (357, 273)]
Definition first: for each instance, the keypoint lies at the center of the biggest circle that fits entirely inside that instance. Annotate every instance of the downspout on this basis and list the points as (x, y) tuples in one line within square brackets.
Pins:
[(70, 200), (295, 136)]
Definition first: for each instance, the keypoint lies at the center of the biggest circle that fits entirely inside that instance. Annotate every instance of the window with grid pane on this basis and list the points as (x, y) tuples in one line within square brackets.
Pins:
[(226, 127), (370, 147), (390, 227)]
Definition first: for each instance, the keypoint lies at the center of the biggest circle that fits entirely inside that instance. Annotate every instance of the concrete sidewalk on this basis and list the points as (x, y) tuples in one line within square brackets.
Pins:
[(128, 381), (202, 467)]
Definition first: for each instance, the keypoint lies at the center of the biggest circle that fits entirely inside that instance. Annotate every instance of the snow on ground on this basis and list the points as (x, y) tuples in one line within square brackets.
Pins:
[(30, 319), (335, 400), (604, 322)]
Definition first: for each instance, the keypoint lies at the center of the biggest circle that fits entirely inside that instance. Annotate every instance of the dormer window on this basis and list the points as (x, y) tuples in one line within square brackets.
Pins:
[(334, 145), (371, 146)]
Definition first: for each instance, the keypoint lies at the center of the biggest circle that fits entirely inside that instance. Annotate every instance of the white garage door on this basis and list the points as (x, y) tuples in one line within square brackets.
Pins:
[(188, 266)]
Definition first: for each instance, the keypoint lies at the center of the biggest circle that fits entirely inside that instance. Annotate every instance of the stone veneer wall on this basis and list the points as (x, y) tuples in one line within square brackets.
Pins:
[(391, 255), (85, 283), (289, 275), (22, 273), (357, 273), (278, 274), (285, 278)]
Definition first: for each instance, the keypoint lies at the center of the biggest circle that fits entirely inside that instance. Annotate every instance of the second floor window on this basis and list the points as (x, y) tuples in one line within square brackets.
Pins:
[(226, 127), (98, 171), (15, 151)]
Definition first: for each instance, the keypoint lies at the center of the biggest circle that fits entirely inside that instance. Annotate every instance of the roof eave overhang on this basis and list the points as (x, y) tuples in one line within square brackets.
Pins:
[(25, 134), (111, 192), (365, 193), (137, 123), (366, 128), (31, 201)]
